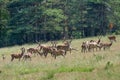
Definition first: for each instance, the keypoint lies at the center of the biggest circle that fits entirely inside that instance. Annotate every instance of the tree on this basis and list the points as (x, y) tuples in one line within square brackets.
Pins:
[(4, 17)]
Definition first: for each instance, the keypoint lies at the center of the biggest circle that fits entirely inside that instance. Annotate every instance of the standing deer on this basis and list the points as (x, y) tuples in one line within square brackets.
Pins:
[(94, 44), (56, 52), (107, 45), (27, 56), (84, 46), (18, 56), (46, 49), (65, 46)]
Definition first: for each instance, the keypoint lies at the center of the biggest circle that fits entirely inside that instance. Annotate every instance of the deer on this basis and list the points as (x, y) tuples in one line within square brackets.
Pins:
[(27, 56), (47, 49), (33, 51), (94, 44), (107, 45), (84, 46), (56, 52), (65, 46), (18, 56), (112, 38)]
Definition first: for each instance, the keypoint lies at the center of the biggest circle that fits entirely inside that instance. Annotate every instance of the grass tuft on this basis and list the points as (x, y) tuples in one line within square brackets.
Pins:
[(108, 65), (99, 57)]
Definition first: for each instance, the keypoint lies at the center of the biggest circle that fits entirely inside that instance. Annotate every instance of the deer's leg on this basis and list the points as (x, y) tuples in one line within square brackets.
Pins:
[(34, 54), (65, 52), (96, 48), (70, 50), (86, 49), (104, 47), (12, 58), (82, 50), (45, 54), (89, 49), (51, 54), (23, 57), (55, 56)]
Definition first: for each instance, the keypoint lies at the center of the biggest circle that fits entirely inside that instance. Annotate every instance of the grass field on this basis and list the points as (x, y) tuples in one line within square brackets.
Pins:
[(98, 65)]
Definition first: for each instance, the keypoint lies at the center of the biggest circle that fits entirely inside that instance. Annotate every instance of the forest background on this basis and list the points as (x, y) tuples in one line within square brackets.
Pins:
[(28, 21)]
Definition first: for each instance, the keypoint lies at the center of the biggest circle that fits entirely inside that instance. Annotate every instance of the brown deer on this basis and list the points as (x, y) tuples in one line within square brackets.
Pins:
[(65, 46), (33, 51), (18, 56), (92, 45), (107, 45), (56, 52), (45, 48), (84, 47), (27, 56), (89, 45), (112, 38)]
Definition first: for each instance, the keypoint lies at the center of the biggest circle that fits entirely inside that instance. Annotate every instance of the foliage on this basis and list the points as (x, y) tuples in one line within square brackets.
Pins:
[(27, 21)]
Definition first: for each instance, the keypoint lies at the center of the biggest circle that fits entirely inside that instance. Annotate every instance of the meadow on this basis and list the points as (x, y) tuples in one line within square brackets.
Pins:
[(97, 65)]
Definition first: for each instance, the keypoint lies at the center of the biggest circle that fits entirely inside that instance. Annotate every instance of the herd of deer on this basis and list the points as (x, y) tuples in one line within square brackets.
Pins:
[(89, 46), (60, 49), (43, 50)]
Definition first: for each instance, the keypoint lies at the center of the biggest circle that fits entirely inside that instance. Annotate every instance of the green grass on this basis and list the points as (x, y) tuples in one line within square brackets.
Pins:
[(51, 73), (98, 65)]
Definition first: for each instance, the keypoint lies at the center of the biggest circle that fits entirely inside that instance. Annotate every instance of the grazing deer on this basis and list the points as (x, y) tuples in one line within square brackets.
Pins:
[(27, 56), (18, 56), (56, 52), (112, 38)]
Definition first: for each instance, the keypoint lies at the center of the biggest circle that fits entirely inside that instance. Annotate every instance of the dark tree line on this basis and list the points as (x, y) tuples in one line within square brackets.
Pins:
[(28, 21)]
